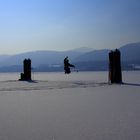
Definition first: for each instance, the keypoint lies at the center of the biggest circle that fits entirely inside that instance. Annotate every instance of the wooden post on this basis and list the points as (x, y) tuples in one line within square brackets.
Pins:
[(115, 73), (27, 70)]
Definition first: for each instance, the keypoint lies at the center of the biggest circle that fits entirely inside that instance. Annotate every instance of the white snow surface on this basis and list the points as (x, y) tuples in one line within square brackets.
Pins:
[(79, 106)]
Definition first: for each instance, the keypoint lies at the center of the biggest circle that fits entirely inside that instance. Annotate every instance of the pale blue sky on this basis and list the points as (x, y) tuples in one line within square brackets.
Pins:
[(29, 25)]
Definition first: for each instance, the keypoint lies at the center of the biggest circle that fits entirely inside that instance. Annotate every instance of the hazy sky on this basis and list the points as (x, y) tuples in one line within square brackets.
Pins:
[(28, 25)]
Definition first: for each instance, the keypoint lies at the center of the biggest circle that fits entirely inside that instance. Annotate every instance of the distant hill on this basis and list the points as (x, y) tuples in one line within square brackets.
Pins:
[(39, 58), (84, 59), (130, 55), (96, 55), (131, 52), (4, 57), (130, 58)]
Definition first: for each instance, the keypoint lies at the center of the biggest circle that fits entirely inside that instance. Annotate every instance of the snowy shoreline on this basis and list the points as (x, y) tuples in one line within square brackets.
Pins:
[(79, 106)]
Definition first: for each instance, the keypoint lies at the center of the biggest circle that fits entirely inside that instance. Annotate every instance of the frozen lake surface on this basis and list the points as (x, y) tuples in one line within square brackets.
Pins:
[(79, 106)]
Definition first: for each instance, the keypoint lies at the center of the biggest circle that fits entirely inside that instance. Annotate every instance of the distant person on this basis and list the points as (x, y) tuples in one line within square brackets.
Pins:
[(67, 65)]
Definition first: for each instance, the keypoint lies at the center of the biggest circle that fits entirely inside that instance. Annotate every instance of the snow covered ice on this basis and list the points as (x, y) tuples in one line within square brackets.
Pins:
[(79, 106)]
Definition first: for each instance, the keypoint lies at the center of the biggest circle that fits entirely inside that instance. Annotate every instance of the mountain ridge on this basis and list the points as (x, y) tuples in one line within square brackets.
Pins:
[(84, 60)]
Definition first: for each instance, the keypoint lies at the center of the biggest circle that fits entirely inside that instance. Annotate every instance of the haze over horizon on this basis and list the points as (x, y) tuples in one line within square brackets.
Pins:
[(60, 25)]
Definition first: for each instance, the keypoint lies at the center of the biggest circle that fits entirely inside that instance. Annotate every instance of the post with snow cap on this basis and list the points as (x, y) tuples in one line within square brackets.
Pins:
[(115, 72), (27, 70)]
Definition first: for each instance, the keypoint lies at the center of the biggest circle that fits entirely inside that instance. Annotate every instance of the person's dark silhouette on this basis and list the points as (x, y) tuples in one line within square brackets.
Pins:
[(67, 66)]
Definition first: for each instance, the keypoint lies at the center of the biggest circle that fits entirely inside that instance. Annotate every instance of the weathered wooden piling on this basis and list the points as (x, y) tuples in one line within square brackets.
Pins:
[(27, 70), (115, 72)]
